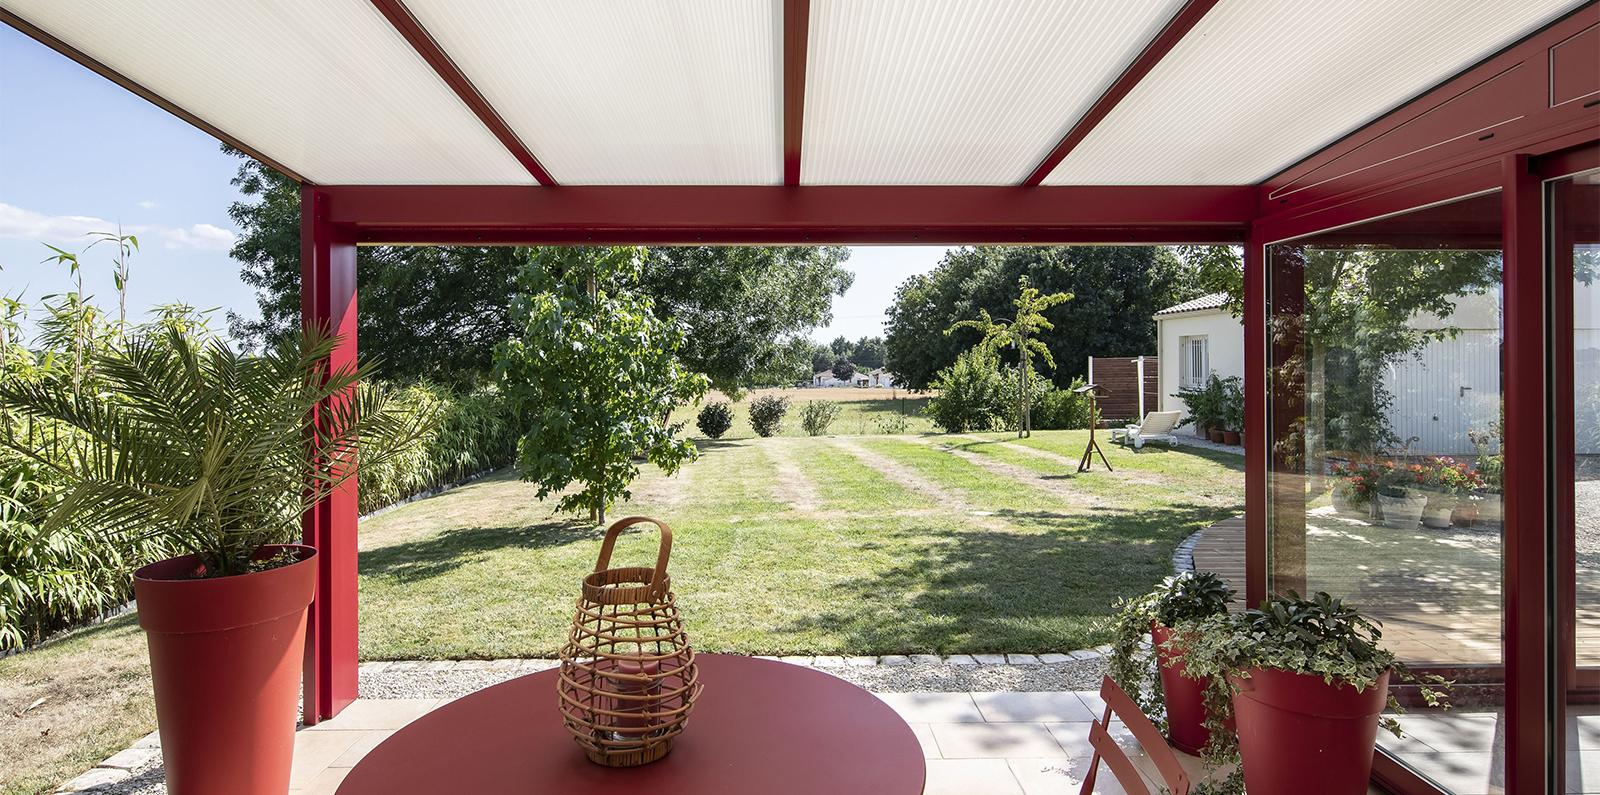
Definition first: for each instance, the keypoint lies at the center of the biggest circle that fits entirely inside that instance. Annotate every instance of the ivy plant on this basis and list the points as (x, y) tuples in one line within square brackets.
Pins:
[(1179, 600), (1318, 636)]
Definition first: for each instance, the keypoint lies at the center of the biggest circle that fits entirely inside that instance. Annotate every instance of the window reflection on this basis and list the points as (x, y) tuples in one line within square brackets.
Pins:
[(1386, 471)]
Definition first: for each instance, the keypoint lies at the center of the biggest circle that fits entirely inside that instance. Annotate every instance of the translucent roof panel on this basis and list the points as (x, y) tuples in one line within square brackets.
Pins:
[(955, 91), (1258, 85), (623, 92), (330, 90)]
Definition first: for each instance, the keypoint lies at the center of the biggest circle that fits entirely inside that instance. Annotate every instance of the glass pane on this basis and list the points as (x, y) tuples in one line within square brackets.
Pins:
[(1385, 466), (1574, 217)]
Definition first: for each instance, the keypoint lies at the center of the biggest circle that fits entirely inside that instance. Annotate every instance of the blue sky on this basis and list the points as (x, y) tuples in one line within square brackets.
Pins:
[(80, 154)]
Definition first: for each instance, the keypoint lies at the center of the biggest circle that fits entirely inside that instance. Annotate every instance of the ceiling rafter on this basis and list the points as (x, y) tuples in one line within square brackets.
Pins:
[(1175, 30), (796, 29), (423, 42)]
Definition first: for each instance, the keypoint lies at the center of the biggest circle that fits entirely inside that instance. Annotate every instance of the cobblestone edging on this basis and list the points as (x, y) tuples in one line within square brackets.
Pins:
[(820, 661), (1183, 556)]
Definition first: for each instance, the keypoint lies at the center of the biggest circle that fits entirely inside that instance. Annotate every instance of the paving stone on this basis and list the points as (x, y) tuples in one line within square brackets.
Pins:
[(1054, 659), (130, 758), (1022, 659), (97, 777), (961, 659), (796, 660), (1058, 706), (510, 664), (471, 665), (1083, 654), (765, 657), (860, 662), (995, 741), (926, 659), (439, 666), (825, 661), (151, 740), (933, 707), (990, 659), (894, 659), (374, 667), (1103, 649), (408, 665)]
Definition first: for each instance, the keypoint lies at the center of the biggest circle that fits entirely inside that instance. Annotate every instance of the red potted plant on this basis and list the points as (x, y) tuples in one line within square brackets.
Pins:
[(217, 454), (1175, 700), (1304, 679)]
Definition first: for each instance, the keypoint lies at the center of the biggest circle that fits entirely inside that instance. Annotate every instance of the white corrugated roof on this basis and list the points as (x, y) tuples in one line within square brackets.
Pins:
[(692, 92)]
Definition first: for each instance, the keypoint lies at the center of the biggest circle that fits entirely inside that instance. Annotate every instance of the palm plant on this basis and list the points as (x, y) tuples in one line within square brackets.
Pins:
[(1020, 333), (216, 452)]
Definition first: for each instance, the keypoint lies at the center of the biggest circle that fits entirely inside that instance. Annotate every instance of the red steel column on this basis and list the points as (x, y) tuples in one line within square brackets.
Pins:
[(1257, 436), (328, 301), (1528, 608)]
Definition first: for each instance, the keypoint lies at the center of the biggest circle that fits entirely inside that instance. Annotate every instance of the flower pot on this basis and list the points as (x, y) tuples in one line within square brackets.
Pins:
[(1230, 437), (1349, 504), (1202, 431), (1185, 697), (1465, 513), (1215, 434), (1401, 513), (1290, 724), (1436, 514), (226, 656), (1491, 510)]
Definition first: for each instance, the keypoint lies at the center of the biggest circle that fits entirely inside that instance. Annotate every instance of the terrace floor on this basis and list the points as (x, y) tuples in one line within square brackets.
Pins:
[(974, 743)]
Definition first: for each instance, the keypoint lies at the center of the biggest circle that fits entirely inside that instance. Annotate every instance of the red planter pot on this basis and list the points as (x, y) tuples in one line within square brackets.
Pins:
[(1290, 724), (1230, 437), (226, 655), (1186, 704), (1215, 435)]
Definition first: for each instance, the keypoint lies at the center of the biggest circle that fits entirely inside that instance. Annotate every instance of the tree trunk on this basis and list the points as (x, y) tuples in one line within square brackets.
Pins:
[(1024, 421)]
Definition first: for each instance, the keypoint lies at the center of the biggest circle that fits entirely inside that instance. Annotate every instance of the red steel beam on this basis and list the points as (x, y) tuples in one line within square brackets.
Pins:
[(72, 53), (796, 30), (820, 214), (1176, 29), (401, 18)]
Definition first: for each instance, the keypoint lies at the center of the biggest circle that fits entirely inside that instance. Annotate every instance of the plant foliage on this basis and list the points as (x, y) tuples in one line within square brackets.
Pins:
[(1020, 334), (1181, 598), (766, 414), (817, 415), (593, 373), (714, 419)]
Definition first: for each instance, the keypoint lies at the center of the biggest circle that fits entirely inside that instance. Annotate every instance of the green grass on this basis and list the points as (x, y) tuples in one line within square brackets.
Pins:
[(861, 545), (95, 686)]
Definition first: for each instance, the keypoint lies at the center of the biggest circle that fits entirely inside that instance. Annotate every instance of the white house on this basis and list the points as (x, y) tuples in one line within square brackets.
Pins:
[(826, 378), (1451, 387), (882, 378)]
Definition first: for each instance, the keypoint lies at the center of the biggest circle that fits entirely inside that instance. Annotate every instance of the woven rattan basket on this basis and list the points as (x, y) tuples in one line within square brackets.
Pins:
[(628, 678)]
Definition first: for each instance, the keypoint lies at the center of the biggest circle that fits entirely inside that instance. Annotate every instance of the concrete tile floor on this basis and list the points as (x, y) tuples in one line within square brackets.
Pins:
[(975, 743)]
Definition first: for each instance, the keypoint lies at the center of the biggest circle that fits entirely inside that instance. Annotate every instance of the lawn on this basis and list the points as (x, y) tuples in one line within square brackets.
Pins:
[(861, 411), (800, 545)]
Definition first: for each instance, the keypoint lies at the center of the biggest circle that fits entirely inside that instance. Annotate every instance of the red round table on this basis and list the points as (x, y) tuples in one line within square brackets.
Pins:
[(760, 727)]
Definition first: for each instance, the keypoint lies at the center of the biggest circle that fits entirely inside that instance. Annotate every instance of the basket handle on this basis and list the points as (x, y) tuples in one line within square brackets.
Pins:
[(616, 528)]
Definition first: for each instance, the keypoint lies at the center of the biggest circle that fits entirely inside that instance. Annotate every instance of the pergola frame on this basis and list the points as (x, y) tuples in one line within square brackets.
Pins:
[(1496, 126)]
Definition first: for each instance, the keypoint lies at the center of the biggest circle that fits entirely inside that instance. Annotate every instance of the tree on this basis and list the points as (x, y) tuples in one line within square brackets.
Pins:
[(821, 357), (440, 309), (445, 307), (869, 353), (841, 346), (1118, 289), (1020, 334), (592, 371), (843, 369)]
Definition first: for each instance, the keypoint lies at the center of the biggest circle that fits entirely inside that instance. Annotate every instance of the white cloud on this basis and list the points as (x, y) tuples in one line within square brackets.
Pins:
[(73, 230), (148, 204), (201, 236)]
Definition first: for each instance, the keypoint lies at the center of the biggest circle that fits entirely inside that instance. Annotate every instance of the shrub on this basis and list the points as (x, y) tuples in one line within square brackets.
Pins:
[(893, 424), (1062, 409), (1005, 405), (714, 419), (766, 414), (968, 392), (476, 433), (817, 415)]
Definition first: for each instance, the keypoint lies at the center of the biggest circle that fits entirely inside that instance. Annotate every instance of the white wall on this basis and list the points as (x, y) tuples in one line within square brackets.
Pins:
[(1224, 344)]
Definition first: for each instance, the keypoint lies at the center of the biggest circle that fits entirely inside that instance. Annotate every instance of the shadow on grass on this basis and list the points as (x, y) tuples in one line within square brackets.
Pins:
[(458, 547), (1230, 461), (974, 590)]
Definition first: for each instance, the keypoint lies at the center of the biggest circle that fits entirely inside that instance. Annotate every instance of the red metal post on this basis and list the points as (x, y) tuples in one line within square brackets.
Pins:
[(796, 29), (328, 301), (1258, 434), (1528, 608)]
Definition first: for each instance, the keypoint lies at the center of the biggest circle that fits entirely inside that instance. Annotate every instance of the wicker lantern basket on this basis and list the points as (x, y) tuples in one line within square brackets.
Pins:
[(628, 678)]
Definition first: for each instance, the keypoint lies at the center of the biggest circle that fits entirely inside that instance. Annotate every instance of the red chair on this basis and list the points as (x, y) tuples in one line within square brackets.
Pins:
[(1149, 738)]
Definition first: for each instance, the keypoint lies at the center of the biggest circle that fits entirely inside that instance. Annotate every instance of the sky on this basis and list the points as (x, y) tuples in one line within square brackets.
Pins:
[(79, 154)]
